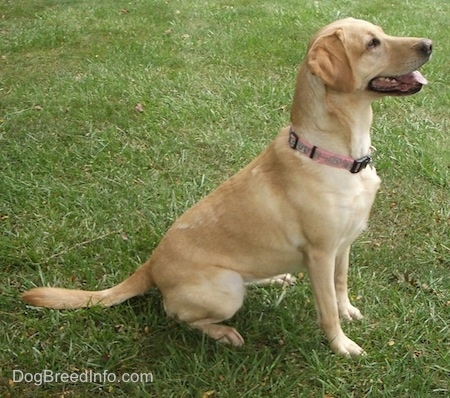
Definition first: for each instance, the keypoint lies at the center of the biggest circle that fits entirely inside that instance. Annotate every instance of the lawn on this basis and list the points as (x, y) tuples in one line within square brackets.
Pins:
[(116, 116)]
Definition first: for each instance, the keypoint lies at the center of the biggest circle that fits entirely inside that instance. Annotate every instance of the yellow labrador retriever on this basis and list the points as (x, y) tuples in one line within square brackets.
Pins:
[(298, 205)]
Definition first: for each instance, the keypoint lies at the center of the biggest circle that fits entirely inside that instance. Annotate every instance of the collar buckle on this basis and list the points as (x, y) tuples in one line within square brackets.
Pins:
[(293, 140), (361, 164)]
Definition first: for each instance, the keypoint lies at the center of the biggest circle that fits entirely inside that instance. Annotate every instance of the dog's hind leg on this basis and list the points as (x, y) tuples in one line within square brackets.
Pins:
[(213, 298)]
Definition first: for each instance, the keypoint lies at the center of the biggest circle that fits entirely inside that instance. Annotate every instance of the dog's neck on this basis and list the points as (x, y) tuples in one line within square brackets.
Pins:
[(341, 125)]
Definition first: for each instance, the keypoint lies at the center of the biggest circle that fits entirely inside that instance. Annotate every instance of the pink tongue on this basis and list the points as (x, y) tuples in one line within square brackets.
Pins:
[(413, 77)]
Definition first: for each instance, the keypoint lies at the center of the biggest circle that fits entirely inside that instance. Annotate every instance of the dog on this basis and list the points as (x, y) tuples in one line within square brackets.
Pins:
[(298, 206)]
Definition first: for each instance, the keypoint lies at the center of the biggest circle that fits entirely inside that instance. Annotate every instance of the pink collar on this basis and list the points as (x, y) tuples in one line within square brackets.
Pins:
[(329, 158)]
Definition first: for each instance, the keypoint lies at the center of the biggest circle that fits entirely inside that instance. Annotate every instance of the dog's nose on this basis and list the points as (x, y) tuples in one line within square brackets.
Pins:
[(426, 47)]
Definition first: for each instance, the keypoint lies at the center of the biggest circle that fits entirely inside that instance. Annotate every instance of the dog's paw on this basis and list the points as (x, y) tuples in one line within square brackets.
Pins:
[(221, 333), (344, 346), (350, 313), (231, 336), (284, 280)]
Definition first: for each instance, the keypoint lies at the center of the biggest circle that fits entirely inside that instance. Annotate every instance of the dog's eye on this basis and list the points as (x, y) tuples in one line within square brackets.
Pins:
[(374, 43)]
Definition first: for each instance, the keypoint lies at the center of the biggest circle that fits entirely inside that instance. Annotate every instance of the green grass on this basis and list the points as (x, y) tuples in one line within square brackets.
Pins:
[(89, 185)]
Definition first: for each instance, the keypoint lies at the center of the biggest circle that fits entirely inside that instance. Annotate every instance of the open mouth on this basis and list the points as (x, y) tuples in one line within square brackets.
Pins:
[(410, 83)]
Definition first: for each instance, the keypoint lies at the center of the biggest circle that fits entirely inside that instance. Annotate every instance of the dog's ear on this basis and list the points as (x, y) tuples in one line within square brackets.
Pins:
[(328, 59)]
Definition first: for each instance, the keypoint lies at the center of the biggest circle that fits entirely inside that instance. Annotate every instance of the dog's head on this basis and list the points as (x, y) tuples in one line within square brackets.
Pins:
[(352, 55)]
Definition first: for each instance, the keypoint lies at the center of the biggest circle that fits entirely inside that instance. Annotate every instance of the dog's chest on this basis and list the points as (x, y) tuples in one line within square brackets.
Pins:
[(354, 204)]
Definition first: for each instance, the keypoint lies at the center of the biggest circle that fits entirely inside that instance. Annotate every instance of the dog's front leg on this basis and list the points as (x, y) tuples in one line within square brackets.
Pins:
[(321, 269), (346, 309)]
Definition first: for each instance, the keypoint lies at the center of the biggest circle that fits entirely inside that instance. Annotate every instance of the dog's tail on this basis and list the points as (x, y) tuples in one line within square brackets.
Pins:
[(53, 297)]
